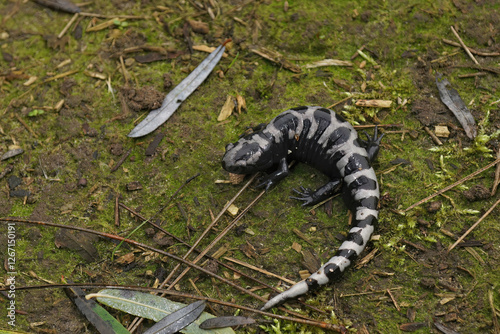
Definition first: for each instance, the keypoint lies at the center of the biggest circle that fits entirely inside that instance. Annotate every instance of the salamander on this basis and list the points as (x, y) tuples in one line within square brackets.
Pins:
[(323, 139)]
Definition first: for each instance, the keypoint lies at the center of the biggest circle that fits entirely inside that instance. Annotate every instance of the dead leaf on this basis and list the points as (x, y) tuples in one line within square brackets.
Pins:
[(126, 259), (228, 321), (178, 320), (242, 104), (160, 238), (62, 5), (412, 326), (296, 247), (442, 131), (227, 109), (56, 43), (30, 81), (236, 178), (150, 57), (454, 102), (80, 242)]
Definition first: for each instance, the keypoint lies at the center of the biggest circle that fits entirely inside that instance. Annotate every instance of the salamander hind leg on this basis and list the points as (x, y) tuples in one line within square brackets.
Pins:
[(312, 197)]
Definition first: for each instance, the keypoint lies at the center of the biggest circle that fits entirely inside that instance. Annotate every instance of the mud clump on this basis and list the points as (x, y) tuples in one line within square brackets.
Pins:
[(145, 98), (476, 193)]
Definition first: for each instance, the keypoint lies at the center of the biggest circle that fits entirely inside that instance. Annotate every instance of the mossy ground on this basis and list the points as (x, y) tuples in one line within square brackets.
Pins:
[(404, 38)]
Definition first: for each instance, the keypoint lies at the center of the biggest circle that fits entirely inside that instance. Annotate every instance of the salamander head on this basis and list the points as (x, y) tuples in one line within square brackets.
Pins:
[(248, 155)]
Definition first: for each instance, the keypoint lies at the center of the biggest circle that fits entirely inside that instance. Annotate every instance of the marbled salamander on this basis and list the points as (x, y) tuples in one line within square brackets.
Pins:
[(326, 141)]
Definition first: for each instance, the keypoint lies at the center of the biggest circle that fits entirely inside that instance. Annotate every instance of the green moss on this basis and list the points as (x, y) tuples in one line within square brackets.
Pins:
[(195, 140)]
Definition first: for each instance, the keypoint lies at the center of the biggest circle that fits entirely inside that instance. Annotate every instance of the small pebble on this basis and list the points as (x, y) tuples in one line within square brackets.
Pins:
[(13, 182), (82, 182), (20, 193)]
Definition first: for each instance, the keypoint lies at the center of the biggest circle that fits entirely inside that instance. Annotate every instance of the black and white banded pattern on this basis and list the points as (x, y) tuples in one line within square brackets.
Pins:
[(323, 139)]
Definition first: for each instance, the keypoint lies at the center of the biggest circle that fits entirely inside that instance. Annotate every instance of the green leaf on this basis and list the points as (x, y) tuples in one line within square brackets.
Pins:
[(153, 307), (35, 112)]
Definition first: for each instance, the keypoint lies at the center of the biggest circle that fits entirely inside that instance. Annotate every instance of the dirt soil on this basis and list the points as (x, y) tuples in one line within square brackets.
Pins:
[(69, 99)]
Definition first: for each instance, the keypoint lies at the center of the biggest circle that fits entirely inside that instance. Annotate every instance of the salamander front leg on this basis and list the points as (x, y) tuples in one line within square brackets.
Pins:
[(276, 176), (371, 144), (310, 197)]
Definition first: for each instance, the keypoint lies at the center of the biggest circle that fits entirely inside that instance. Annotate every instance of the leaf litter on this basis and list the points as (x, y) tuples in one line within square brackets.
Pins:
[(454, 102), (181, 92)]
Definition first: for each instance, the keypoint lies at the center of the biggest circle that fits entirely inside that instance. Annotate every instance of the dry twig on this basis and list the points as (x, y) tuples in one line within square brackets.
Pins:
[(464, 46), (277, 58), (478, 53), (263, 271), (212, 258), (433, 136), (73, 19), (102, 16), (474, 226), (369, 292), (26, 125), (468, 177), (374, 103), (497, 176), (220, 236), (496, 325), (137, 321), (121, 161), (393, 300)]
